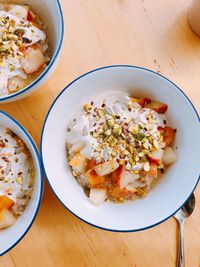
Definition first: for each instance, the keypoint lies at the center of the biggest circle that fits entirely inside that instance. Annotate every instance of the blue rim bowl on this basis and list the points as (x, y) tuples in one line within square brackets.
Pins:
[(19, 129), (63, 94), (25, 91)]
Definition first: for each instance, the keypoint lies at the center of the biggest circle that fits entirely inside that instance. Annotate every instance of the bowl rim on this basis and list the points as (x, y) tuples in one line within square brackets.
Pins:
[(40, 177), (48, 68), (43, 128)]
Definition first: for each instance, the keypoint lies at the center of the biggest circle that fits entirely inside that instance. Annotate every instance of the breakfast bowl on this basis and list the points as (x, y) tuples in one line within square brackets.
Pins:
[(21, 182), (30, 45), (178, 181)]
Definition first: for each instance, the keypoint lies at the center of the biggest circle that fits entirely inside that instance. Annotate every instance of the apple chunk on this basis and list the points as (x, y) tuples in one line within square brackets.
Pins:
[(169, 156), (157, 155), (33, 60), (97, 195), (106, 168), (7, 219), (94, 178), (79, 163), (123, 178)]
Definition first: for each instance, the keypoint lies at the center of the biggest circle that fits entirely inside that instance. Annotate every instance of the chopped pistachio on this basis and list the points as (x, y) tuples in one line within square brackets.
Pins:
[(95, 134), (101, 112), (131, 161), (127, 120), (140, 136), (74, 174), (32, 173), (87, 107), (134, 129), (105, 127), (108, 132), (111, 122), (121, 162), (6, 180), (19, 180), (116, 131), (141, 154)]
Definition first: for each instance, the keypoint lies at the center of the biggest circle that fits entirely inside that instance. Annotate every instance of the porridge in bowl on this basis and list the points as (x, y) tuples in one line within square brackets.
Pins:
[(119, 147), (16, 177), (23, 48)]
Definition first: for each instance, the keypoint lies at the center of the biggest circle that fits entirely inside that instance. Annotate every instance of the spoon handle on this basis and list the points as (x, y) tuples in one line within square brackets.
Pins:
[(181, 257)]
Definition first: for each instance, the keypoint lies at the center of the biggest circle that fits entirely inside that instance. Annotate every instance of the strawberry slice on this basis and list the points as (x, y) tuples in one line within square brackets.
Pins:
[(157, 106), (30, 16), (94, 178)]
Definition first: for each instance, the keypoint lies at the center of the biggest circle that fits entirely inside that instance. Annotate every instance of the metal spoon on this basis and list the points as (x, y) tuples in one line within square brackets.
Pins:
[(180, 216)]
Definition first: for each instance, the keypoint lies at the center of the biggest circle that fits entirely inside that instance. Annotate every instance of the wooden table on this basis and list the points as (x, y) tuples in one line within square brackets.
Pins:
[(153, 34)]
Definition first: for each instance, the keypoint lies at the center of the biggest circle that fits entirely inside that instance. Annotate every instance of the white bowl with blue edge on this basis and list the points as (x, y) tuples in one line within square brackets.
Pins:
[(178, 182), (11, 236), (51, 14)]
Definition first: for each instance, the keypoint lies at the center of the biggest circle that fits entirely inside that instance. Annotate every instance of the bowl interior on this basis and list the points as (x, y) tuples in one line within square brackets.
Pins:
[(9, 237), (179, 180)]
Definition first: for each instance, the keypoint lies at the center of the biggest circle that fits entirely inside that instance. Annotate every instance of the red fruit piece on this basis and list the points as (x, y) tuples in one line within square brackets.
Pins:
[(144, 101), (94, 178), (156, 161), (168, 135), (22, 48), (5, 202), (91, 164), (161, 129), (117, 174), (153, 168), (157, 106), (30, 16)]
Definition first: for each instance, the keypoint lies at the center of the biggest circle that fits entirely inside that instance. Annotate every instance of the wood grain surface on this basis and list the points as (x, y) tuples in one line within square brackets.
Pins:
[(153, 34)]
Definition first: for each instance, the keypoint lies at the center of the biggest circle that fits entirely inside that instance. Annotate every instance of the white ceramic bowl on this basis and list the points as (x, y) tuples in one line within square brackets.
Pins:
[(178, 182), (51, 13), (11, 236)]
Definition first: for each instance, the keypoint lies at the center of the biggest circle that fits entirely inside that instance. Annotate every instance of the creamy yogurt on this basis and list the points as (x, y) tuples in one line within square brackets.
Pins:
[(15, 167), (120, 105)]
